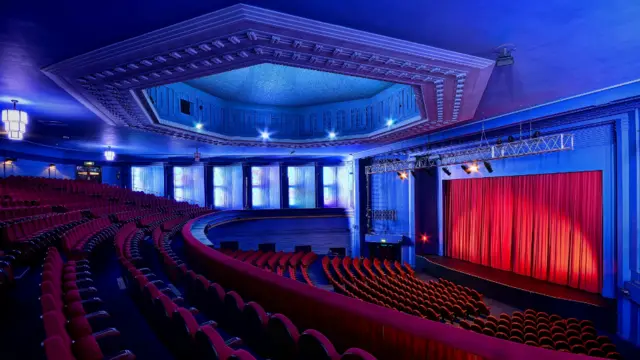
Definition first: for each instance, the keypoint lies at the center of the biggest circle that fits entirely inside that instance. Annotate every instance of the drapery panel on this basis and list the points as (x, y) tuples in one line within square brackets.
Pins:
[(547, 226), (188, 184), (265, 187), (148, 179), (227, 187), (302, 186)]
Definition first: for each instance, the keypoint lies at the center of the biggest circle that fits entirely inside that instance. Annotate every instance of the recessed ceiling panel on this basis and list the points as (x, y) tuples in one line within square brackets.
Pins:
[(279, 85)]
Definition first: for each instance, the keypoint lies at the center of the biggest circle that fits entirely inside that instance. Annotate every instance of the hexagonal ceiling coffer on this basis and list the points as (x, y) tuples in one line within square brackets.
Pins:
[(111, 81)]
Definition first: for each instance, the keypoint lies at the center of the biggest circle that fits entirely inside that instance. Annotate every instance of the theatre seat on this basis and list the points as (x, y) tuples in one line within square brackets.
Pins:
[(356, 354), (283, 337), (254, 326), (233, 306), (312, 345)]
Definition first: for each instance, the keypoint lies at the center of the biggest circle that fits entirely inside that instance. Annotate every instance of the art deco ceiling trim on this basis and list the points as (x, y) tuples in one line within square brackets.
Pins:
[(110, 81)]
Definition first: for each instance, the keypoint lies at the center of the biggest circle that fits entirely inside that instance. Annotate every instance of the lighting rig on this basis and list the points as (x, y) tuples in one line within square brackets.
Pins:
[(476, 155)]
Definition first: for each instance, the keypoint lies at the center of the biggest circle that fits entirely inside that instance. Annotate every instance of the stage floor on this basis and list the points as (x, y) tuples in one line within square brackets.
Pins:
[(520, 282)]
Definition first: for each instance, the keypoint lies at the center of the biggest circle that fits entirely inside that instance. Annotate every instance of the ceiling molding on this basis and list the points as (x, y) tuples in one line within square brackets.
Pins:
[(109, 80)]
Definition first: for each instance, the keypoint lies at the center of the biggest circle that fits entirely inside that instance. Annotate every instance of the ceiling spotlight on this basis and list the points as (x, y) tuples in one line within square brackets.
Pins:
[(264, 135), (199, 126), (332, 135), (109, 154), (402, 175), (474, 167), (487, 165), (15, 122), (446, 171), (465, 168), (389, 122)]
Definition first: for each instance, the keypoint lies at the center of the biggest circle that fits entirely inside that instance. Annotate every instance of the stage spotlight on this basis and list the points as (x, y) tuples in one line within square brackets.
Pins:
[(499, 141), (474, 167), (264, 135), (511, 138), (199, 126), (424, 238), (487, 165), (446, 171), (389, 122), (9, 161), (332, 135), (465, 168), (536, 134), (402, 175)]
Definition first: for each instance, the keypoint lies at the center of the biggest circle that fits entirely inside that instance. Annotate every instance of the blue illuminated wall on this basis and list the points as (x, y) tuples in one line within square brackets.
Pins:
[(322, 233), (349, 118), (30, 167)]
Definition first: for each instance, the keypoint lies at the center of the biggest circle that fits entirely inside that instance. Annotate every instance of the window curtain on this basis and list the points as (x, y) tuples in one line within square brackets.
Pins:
[(302, 186), (548, 226), (188, 184), (390, 204), (227, 187), (265, 187), (337, 187), (148, 179)]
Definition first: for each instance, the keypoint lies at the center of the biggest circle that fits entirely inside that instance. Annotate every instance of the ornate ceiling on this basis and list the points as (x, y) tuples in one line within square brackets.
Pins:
[(111, 81)]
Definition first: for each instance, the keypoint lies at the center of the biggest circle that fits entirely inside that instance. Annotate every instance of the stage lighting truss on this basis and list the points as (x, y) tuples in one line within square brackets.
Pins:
[(518, 148)]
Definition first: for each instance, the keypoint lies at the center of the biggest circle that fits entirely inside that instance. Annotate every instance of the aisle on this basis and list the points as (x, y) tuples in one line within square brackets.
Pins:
[(135, 333)]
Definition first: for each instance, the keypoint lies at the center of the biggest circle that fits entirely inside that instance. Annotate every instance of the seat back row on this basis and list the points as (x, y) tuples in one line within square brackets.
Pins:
[(270, 335), (67, 299)]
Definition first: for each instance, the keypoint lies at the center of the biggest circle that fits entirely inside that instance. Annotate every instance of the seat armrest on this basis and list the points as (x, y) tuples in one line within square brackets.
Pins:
[(90, 289), (97, 315), (83, 281), (122, 355), (106, 333), (211, 323), (93, 300), (234, 342)]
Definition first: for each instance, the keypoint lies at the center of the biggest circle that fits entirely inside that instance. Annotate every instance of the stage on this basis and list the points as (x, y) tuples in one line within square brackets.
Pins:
[(522, 291)]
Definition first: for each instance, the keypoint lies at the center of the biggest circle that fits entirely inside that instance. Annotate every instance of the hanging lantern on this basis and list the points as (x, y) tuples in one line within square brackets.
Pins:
[(109, 154), (15, 122)]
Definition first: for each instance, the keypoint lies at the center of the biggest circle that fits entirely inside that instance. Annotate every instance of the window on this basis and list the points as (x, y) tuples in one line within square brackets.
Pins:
[(265, 187), (337, 185), (302, 187), (227, 187), (188, 184), (148, 179)]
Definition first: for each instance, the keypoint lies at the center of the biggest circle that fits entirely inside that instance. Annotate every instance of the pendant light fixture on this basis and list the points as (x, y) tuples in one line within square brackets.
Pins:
[(15, 122), (109, 154)]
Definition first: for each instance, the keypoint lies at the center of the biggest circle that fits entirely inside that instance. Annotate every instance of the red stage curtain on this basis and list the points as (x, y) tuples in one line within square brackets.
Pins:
[(545, 226)]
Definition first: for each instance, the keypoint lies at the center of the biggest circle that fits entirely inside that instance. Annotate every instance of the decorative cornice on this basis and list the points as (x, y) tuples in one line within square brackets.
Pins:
[(109, 80)]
